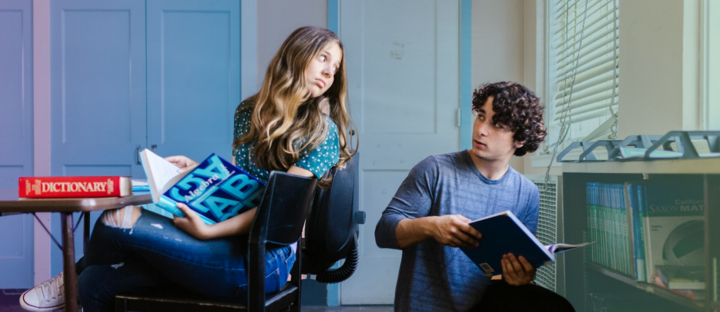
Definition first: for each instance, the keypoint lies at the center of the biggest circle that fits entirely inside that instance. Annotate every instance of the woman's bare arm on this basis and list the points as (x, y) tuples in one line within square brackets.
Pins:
[(237, 225)]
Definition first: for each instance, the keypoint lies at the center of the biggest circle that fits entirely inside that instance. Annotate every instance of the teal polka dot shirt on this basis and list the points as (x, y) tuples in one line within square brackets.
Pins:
[(317, 161)]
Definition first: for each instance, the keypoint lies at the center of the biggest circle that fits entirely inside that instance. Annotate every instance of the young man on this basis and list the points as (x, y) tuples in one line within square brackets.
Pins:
[(429, 215)]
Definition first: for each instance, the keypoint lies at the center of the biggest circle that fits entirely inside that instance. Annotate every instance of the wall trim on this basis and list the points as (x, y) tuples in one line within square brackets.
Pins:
[(41, 128), (248, 48), (465, 73)]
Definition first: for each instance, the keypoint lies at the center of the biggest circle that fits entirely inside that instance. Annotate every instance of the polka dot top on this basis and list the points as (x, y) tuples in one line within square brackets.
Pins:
[(318, 161)]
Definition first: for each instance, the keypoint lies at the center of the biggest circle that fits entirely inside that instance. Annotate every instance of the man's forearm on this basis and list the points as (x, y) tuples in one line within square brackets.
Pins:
[(410, 232)]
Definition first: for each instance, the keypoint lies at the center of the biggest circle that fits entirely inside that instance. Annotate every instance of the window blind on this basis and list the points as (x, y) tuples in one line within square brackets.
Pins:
[(583, 70)]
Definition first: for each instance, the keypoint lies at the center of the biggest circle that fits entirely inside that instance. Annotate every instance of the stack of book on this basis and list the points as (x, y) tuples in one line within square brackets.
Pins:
[(688, 281)]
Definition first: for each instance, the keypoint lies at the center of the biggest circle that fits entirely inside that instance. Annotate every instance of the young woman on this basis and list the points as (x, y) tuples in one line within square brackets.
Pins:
[(296, 123)]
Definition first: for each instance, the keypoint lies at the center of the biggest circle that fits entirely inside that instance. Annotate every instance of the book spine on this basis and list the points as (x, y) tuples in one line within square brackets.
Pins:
[(627, 261), (639, 235), (610, 233), (617, 249), (649, 267), (611, 227), (630, 210), (73, 187), (596, 249), (622, 223), (603, 225), (615, 228), (589, 219), (596, 225)]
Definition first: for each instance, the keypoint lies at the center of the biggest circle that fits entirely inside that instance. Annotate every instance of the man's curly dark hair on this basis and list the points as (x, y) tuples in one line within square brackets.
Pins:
[(517, 108)]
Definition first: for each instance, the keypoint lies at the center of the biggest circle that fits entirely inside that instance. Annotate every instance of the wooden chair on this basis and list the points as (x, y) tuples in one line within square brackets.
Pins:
[(279, 221)]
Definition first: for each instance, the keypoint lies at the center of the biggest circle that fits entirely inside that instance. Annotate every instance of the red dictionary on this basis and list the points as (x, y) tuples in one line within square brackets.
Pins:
[(62, 187)]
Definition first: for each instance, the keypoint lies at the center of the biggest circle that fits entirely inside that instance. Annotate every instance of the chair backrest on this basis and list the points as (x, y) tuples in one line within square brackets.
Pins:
[(279, 220), (284, 207), (333, 220)]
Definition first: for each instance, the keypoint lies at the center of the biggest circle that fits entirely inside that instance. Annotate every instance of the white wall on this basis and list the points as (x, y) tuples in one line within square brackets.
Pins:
[(277, 19), (659, 62), (498, 46), (497, 41)]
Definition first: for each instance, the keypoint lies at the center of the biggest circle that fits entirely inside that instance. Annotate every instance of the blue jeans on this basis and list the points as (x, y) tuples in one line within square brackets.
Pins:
[(155, 255)]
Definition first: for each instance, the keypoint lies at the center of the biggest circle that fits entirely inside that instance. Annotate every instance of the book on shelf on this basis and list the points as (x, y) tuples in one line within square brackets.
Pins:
[(74, 187), (608, 225), (140, 186), (635, 224), (503, 233), (694, 294), (214, 188), (673, 221), (681, 277), (641, 224)]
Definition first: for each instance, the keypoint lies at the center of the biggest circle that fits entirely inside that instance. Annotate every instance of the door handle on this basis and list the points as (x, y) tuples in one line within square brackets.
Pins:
[(137, 155)]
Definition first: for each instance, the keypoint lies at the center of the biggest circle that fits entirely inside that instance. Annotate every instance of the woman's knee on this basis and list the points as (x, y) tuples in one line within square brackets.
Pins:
[(123, 218)]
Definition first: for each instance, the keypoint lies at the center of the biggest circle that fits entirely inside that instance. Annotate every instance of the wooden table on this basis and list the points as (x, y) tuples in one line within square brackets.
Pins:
[(66, 207)]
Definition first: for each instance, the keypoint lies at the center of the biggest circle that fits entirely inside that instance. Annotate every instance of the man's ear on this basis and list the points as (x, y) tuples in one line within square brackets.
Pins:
[(519, 144)]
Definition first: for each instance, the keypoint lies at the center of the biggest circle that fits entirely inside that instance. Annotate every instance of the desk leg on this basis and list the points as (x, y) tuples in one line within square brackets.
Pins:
[(71, 294)]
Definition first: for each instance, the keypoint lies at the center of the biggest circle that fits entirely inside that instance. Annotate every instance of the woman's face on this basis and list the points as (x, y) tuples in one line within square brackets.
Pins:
[(320, 74)]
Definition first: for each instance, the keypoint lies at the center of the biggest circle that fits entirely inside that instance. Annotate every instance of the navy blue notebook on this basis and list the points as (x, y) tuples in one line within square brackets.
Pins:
[(503, 233)]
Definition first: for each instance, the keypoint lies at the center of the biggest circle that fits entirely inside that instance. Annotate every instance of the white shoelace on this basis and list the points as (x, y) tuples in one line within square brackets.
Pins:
[(52, 288)]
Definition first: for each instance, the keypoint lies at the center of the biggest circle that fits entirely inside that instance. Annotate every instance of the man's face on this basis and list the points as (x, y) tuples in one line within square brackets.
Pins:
[(492, 142)]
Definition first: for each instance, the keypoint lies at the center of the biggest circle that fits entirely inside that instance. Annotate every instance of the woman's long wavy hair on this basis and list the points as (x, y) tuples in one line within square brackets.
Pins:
[(286, 121)]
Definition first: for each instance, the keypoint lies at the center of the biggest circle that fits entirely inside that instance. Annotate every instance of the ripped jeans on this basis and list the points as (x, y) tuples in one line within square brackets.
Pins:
[(154, 255)]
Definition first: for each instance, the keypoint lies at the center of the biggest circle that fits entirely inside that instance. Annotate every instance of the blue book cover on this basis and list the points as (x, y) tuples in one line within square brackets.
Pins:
[(215, 189), (503, 233)]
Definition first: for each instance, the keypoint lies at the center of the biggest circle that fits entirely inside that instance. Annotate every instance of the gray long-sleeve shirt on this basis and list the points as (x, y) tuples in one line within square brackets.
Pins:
[(434, 277)]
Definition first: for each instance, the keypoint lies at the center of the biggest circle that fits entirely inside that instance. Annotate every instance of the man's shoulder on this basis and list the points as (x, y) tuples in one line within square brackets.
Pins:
[(523, 181), (451, 160), (437, 165)]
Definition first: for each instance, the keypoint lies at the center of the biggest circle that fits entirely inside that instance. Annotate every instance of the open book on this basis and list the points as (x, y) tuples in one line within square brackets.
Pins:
[(503, 233), (214, 188)]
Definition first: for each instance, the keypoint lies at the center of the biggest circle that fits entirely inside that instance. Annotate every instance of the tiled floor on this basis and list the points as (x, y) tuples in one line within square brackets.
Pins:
[(9, 303)]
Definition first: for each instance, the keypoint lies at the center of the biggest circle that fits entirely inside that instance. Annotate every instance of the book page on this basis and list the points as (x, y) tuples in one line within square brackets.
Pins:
[(158, 171), (560, 248)]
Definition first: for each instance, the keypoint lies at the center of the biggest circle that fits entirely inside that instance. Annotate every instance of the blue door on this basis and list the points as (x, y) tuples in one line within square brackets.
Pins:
[(16, 139), (98, 93), (193, 59), (100, 112), (413, 46)]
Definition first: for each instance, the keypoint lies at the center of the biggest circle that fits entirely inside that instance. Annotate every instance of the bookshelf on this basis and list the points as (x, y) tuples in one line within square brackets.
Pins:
[(583, 276), (695, 305)]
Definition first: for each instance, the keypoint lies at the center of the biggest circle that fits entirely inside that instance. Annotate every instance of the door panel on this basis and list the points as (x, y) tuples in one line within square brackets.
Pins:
[(403, 76), (16, 139), (193, 76), (98, 98)]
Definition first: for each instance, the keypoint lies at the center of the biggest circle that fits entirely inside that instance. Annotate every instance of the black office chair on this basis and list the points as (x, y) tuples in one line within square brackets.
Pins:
[(332, 226), (287, 199)]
